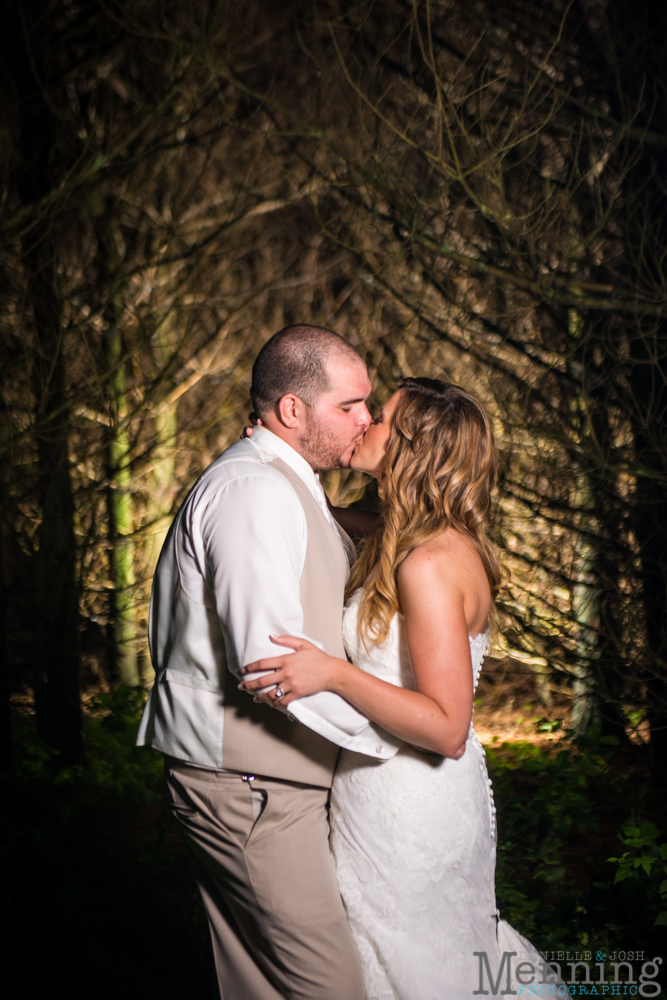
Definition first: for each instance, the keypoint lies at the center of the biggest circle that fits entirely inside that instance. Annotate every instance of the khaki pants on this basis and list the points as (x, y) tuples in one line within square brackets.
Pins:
[(277, 921)]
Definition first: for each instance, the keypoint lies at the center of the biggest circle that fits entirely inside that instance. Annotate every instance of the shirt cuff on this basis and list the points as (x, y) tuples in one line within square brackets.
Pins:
[(339, 722)]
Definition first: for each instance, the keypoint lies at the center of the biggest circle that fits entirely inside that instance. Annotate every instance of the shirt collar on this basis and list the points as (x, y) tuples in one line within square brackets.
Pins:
[(269, 442), (275, 447)]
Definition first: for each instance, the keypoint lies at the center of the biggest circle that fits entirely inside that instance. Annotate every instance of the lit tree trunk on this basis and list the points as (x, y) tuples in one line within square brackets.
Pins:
[(162, 459), (586, 613), (121, 523), (599, 673), (585, 593), (164, 450), (164, 463), (598, 670), (122, 599)]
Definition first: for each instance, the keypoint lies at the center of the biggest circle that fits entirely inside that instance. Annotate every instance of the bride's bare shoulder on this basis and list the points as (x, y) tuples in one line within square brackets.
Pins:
[(449, 569), (450, 549), (450, 558)]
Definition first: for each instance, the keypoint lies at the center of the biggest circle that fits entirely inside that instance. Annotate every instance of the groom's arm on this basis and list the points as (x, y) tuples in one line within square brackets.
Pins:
[(254, 536)]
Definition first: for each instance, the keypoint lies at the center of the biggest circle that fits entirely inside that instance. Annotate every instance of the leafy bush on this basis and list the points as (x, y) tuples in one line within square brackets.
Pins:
[(558, 819), (643, 862), (561, 880), (96, 889), (115, 774)]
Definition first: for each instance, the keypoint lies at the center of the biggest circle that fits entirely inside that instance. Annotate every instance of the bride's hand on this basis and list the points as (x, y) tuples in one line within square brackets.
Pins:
[(305, 671), (248, 429)]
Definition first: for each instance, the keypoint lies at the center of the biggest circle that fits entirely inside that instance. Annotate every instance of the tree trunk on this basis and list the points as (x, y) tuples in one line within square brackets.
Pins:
[(585, 610), (5, 705), (29, 44), (651, 530), (639, 77), (122, 599), (164, 450), (121, 522), (597, 691), (163, 454), (56, 637)]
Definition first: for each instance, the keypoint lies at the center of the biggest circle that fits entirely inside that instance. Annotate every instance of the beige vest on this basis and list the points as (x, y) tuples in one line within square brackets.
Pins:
[(266, 742)]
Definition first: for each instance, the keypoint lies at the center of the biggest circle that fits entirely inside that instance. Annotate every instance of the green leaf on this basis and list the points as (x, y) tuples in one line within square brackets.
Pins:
[(556, 875), (661, 919), (646, 864)]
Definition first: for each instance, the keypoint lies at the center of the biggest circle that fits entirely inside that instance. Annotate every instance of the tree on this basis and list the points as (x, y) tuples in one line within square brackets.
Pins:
[(55, 636), (76, 137), (176, 249), (497, 173)]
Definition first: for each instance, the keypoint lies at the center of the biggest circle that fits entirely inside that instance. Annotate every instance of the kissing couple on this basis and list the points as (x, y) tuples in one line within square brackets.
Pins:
[(320, 758)]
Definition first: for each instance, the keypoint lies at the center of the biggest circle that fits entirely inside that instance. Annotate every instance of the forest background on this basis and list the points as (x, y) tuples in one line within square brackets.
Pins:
[(469, 190)]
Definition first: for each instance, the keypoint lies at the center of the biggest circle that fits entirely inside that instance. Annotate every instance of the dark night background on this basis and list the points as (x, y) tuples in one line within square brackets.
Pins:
[(468, 189)]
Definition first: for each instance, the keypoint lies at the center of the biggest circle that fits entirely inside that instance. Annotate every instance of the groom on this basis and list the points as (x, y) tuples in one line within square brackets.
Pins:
[(254, 552)]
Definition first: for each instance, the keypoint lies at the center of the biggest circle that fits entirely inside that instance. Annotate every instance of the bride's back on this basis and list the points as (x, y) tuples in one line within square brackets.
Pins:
[(452, 559)]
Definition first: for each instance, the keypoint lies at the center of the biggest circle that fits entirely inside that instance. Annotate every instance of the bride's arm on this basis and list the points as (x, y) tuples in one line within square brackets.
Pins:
[(437, 715), (355, 522)]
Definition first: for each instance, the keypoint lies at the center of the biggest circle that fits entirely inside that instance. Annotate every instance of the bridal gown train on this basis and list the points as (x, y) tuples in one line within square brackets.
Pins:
[(414, 842)]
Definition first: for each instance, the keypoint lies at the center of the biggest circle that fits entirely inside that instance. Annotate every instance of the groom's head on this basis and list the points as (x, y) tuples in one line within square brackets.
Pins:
[(309, 386)]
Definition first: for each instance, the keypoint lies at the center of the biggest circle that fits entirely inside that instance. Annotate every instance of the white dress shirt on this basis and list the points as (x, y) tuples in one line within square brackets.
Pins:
[(239, 547)]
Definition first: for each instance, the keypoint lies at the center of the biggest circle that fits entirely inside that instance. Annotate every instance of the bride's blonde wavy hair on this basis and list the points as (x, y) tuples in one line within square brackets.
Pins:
[(439, 472)]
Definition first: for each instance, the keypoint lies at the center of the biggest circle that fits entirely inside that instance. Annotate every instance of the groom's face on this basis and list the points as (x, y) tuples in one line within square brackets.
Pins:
[(337, 420)]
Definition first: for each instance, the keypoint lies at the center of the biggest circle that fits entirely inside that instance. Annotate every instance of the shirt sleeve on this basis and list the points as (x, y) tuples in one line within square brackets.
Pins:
[(334, 718), (253, 532)]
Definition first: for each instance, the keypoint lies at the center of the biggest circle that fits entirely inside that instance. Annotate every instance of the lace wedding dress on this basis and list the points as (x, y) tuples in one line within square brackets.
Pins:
[(414, 842)]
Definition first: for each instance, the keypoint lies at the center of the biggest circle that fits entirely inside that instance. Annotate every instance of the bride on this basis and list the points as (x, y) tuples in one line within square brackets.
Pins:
[(413, 838)]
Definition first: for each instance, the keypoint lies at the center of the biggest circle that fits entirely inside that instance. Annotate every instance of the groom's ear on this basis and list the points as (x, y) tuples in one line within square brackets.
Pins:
[(290, 411)]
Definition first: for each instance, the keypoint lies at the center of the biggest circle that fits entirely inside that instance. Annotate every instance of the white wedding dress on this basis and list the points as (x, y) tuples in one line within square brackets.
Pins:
[(414, 843)]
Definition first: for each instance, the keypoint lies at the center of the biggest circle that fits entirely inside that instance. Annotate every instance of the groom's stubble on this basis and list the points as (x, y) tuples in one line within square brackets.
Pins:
[(320, 446)]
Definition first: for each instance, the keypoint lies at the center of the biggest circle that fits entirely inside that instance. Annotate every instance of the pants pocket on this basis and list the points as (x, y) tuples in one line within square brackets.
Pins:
[(178, 799), (259, 802)]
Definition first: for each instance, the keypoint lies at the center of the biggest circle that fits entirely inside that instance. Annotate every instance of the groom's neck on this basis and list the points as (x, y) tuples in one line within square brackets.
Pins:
[(291, 436)]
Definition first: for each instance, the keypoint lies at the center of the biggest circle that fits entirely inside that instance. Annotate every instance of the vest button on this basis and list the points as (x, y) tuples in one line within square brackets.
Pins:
[(379, 748)]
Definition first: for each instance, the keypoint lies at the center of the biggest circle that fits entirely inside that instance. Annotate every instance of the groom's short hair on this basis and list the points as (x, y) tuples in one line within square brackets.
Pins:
[(295, 360)]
